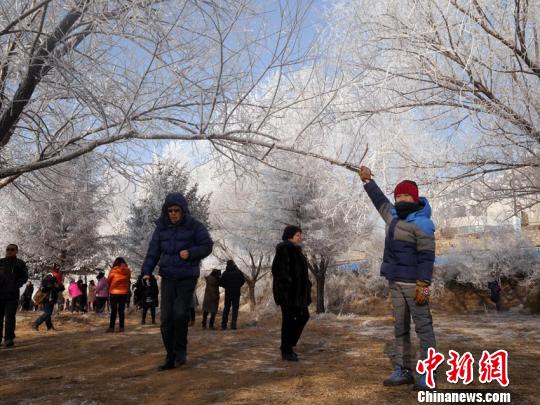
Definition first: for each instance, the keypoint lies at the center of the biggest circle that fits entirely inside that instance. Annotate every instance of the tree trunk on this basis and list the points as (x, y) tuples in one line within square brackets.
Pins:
[(320, 281), (251, 296)]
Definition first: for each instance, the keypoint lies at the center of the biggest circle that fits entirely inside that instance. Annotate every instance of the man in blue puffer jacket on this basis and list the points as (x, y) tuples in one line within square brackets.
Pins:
[(409, 254), (178, 243)]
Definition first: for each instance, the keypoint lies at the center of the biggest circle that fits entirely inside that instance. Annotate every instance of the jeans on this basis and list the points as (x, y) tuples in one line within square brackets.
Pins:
[(8, 311), (176, 296), (293, 321), (404, 307), (231, 300), (118, 306), (46, 317)]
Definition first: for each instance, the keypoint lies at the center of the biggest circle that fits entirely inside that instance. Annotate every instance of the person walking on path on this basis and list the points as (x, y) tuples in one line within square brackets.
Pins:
[(179, 243), (102, 292), (51, 287), (119, 285), (409, 255), (232, 281), (291, 288), (75, 294), (13, 275), (148, 292), (211, 298)]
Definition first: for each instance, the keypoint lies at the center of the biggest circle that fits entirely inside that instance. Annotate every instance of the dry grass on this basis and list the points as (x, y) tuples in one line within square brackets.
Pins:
[(343, 361)]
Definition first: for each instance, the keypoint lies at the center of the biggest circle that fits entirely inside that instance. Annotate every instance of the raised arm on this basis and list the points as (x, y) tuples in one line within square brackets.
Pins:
[(377, 197)]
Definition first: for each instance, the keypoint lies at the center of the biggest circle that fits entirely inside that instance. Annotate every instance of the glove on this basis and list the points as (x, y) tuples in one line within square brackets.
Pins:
[(365, 174), (422, 292)]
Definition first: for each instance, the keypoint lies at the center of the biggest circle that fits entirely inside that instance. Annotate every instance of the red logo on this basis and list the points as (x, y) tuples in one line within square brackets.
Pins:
[(429, 365), (461, 368), (494, 367)]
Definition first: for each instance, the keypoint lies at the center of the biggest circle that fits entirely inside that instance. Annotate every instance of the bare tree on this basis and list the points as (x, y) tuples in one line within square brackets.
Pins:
[(258, 268), (88, 75), (466, 70)]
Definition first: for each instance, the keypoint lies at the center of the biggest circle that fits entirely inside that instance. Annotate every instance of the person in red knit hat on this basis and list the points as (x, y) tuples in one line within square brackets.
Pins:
[(409, 254)]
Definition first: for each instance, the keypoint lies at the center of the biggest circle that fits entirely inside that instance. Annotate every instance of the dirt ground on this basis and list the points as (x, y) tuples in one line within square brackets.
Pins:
[(342, 361)]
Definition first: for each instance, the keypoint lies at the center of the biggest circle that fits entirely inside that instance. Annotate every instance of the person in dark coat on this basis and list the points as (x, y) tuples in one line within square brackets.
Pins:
[(147, 292), (292, 289), (83, 300), (52, 286), (211, 298), (178, 243), (495, 293), (232, 281), (26, 298), (13, 275)]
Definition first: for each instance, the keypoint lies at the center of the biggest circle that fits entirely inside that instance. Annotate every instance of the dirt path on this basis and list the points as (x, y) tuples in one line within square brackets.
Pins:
[(343, 361)]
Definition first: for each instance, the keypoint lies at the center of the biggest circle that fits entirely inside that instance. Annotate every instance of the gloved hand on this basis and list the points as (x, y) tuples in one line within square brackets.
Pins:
[(365, 174), (422, 292)]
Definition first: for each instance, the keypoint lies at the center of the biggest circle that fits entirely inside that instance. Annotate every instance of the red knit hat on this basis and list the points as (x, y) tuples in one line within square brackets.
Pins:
[(407, 187)]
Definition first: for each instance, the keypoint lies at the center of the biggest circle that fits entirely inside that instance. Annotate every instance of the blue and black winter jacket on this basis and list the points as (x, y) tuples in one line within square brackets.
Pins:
[(168, 240), (409, 247)]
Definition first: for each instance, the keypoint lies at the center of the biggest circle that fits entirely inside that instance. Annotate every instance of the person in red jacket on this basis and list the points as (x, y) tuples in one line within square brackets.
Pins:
[(119, 284)]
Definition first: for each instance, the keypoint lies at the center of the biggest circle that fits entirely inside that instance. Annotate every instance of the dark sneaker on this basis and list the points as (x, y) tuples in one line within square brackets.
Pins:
[(167, 365), (110, 330), (35, 327), (400, 376), (9, 343), (289, 356), (121, 329)]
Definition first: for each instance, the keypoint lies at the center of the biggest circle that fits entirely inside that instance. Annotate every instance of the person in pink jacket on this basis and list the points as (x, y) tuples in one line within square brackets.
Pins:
[(102, 292), (75, 294)]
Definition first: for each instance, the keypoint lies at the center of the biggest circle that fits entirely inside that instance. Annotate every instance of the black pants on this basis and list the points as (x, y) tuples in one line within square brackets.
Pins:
[(192, 314), (293, 321), (26, 303), (176, 296), (152, 309), (231, 300), (46, 317), (212, 318), (100, 304), (8, 310), (118, 307)]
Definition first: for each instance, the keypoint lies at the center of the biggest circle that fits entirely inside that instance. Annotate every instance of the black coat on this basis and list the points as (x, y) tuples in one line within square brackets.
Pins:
[(291, 285), (52, 288), (232, 280), (13, 275), (148, 293), (211, 294)]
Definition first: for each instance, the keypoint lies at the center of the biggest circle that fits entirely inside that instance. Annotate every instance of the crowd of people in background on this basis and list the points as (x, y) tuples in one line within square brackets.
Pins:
[(179, 243)]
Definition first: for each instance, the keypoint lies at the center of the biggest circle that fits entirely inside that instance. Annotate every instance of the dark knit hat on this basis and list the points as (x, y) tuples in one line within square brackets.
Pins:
[(407, 187), (290, 231)]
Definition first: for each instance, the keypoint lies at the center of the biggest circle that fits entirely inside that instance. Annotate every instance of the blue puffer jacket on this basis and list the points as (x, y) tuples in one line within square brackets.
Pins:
[(168, 240), (409, 247)]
